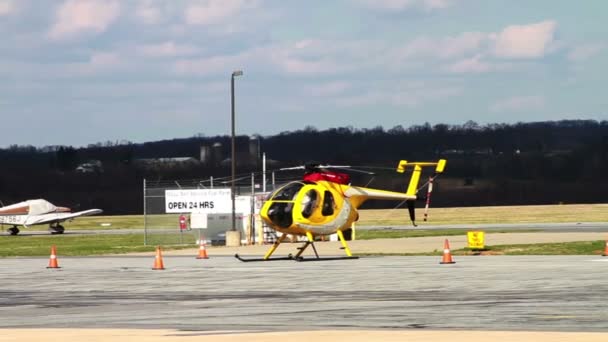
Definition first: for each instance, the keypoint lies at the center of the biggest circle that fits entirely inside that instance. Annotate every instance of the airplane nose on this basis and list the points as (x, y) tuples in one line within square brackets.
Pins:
[(64, 209)]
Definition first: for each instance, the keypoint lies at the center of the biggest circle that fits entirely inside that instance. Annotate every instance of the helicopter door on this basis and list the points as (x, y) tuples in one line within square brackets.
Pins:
[(309, 202), (328, 204)]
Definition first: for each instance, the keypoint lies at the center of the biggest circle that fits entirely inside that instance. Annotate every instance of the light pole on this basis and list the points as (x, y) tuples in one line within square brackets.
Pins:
[(233, 158)]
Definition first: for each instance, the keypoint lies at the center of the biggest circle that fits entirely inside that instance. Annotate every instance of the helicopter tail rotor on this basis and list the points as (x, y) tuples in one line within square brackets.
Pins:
[(411, 207), (415, 178)]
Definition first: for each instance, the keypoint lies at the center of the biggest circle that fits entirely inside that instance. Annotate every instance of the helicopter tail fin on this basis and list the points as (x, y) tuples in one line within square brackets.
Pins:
[(415, 179)]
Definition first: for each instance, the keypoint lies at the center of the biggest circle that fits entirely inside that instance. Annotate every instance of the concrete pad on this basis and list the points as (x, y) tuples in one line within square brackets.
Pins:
[(396, 246), (153, 335)]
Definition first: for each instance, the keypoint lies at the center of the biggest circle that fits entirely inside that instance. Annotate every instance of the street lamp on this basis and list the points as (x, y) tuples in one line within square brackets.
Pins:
[(233, 159)]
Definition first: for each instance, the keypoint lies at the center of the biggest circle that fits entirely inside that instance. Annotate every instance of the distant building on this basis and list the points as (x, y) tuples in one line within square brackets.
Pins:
[(217, 153), (249, 154), (205, 154), (90, 166), (254, 149), (167, 162)]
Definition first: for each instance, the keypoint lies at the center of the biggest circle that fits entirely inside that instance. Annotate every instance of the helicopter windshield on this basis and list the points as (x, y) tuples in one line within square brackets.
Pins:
[(280, 212), (288, 192)]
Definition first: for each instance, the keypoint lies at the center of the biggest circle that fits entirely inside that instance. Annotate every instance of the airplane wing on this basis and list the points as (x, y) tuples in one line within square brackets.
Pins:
[(59, 217)]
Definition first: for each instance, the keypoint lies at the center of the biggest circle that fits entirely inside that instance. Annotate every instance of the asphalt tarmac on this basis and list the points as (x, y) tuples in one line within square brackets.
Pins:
[(482, 293)]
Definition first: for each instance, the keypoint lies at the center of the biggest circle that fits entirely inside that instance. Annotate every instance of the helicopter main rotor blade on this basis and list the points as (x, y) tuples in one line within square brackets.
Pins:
[(362, 171), (333, 166), (313, 167), (346, 167), (292, 168)]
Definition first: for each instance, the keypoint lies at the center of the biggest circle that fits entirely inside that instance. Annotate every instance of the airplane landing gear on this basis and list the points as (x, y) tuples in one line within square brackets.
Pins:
[(13, 230), (56, 229)]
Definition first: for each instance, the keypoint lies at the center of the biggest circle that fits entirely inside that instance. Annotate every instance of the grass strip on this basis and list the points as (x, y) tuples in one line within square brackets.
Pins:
[(84, 245), (559, 248), (369, 234)]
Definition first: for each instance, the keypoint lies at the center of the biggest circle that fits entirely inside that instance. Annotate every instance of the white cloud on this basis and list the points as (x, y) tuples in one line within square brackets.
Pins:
[(296, 65), (77, 16), (99, 62), (148, 12), (167, 49), (584, 52), (7, 7), (209, 12), (400, 5), (448, 47), (300, 58), (519, 103), (310, 56), (104, 59), (474, 64), (525, 41), (329, 88), (478, 52), (408, 95), (207, 66)]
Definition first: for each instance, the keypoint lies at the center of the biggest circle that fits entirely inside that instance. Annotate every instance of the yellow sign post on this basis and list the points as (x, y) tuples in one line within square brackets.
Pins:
[(476, 239)]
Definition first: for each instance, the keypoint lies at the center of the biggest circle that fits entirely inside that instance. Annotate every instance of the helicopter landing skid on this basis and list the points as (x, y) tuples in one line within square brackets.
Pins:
[(289, 257), (301, 259), (298, 256)]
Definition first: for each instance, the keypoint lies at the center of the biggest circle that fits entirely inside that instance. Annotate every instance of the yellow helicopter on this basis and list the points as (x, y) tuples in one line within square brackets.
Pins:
[(324, 203)]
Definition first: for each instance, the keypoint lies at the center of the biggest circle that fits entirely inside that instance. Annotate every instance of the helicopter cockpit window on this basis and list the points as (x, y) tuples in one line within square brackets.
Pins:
[(288, 192), (280, 213), (309, 202), (328, 204)]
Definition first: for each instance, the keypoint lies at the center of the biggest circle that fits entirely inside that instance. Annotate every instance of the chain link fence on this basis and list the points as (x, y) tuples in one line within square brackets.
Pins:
[(162, 228)]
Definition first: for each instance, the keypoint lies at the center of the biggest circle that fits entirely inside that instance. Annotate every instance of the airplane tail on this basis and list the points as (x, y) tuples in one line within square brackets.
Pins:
[(412, 189)]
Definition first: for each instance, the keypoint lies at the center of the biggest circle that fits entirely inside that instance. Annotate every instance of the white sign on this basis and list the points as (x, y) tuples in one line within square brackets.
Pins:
[(198, 201), (198, 221)]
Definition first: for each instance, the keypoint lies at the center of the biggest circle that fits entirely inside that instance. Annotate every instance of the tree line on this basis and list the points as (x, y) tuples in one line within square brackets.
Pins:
[(496, 164)]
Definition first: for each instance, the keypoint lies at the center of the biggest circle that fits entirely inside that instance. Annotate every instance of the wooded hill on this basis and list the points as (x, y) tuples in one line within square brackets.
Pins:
[(497, 164)]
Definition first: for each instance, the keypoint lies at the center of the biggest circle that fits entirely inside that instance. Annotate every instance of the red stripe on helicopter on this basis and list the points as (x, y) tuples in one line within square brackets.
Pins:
[(336, 177)]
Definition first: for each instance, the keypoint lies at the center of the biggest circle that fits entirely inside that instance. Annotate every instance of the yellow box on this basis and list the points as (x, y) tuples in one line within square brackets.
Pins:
[(476, 239)]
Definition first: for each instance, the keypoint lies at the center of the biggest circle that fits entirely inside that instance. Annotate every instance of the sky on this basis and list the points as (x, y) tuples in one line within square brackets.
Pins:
[(79, 72)]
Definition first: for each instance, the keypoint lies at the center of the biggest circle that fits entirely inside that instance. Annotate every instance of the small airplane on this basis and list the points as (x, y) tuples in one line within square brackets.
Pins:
[(324, 203), (39, 211)]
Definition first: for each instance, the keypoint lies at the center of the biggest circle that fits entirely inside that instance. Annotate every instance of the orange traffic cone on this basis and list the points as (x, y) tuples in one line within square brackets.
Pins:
[(53, 260), (202, 251), (447, 255), (158, 260), (606, 249)]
